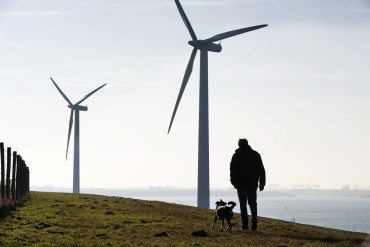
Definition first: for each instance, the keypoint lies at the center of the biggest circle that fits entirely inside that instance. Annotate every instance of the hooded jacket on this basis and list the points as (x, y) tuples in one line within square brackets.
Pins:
[(246, 168)]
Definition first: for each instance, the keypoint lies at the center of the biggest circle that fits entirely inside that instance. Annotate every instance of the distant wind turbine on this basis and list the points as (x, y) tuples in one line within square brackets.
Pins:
[(203, 142), (75, 109)]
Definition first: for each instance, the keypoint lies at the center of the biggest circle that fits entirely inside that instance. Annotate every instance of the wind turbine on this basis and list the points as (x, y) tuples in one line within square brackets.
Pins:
[(204, 46), (75, 109)]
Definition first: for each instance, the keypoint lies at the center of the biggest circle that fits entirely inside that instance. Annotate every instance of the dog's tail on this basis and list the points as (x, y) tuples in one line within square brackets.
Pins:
[(233, 204)]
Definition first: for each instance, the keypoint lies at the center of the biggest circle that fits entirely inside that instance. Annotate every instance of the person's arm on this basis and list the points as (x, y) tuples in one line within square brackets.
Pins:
[(232, 168), (262, 174)]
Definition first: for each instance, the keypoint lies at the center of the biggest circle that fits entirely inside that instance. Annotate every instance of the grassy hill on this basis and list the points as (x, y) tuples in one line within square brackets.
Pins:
[(54, 219)]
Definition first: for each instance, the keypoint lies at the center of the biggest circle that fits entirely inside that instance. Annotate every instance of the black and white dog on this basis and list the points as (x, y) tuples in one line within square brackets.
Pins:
[(224, 211)]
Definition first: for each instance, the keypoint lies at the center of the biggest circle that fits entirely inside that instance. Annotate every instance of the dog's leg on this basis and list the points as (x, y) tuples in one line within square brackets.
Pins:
[(222, 225), (214, 222), (229, 223)]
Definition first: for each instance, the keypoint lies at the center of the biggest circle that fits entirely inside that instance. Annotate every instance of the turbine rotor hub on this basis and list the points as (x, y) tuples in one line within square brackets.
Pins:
[(78, 107), (205, 46)]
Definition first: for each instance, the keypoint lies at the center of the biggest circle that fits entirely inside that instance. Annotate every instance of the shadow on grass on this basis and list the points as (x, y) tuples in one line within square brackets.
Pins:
[(8, 209), (312, 238), (366, 243)]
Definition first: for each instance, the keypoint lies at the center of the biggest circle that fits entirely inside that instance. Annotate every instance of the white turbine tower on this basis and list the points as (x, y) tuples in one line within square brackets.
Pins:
[(203, 142), (75, 109)]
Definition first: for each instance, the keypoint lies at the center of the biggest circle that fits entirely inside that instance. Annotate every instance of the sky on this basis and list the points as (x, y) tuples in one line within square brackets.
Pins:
[(298, 90)]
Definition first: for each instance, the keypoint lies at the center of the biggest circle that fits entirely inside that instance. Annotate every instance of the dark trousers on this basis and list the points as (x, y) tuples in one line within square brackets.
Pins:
[(248, 194)]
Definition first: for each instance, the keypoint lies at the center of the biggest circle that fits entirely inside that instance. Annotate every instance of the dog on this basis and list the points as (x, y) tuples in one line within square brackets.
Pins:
[(224, 211)]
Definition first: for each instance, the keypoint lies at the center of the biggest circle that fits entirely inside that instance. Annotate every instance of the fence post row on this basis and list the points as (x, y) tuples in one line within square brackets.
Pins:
[(15, 177)]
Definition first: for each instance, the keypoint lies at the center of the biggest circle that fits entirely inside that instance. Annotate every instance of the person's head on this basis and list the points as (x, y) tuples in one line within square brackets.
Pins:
[(243, 143)]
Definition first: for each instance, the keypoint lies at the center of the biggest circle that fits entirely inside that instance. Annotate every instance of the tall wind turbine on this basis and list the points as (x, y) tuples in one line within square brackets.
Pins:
[(204, 46), (75, 109)]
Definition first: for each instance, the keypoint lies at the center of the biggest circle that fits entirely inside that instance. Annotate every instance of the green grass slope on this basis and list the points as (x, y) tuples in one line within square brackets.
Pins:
[(54, 219)]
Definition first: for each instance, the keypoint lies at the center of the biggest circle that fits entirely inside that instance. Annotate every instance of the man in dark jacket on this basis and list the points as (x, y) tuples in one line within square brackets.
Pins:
[(246, 170)]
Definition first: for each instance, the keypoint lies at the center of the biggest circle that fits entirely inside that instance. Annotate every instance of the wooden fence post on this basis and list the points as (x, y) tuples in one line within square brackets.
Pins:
[(22, 179), (2, 171), (8, 165), (17, 179), (13, 174), (28, 180)]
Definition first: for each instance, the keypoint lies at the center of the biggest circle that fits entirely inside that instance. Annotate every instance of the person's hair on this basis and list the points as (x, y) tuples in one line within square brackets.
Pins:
[(243, 142)]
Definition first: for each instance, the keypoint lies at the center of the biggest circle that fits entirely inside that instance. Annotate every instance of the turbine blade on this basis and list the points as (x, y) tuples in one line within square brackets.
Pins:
[(185, 80), (226, 35), (61, 92), (69, 131), (89, 94), (186, 20)]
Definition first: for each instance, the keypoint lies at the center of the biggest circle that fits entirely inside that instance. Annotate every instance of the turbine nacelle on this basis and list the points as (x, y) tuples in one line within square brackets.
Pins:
[(205, 46), (78, 107)]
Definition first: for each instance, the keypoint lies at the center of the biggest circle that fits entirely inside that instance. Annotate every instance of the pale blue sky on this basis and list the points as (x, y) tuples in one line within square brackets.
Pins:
[(298, 90)]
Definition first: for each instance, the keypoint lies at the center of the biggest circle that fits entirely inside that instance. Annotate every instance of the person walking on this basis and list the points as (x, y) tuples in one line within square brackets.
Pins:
[(246, 175)]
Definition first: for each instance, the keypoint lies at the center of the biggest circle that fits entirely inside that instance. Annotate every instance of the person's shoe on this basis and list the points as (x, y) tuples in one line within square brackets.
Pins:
[(254, 226), (244, 229)]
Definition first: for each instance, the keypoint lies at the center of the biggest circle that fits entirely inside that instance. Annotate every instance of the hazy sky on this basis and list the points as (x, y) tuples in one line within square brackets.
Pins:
[(299, 90)]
